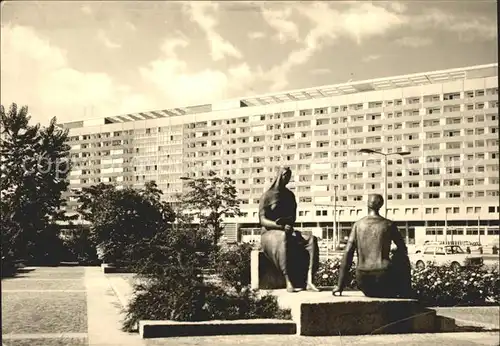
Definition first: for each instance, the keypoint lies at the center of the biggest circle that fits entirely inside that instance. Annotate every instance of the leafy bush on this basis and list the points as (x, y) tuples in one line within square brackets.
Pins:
[(45, 247), (245, 304), (443, 286), (121, 219), (177, 297), (328, 274), (433, 286), (233, 266), (172, 286), (80, 247), (8, 266), (183, 299)]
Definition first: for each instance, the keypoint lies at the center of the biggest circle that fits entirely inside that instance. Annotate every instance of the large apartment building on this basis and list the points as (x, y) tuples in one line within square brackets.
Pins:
[(445, 187)]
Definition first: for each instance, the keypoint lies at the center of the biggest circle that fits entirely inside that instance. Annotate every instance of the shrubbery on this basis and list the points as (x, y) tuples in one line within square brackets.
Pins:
[(180, 299), (80, 247), (122, 218), (433, 286), (172, 287), (328, 274), (233, 266), (442, 286)]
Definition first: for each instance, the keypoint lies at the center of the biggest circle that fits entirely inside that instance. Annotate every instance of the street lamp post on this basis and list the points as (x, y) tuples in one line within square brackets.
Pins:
[(335, 236), (371, 151)]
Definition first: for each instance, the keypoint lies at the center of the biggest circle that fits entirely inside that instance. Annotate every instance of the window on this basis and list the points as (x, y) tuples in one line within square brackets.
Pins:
[(429, 251), (491, 209), (439, 251), (451, 96)]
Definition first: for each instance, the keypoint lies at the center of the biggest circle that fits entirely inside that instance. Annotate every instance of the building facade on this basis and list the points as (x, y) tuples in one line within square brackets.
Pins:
[(446, 188)]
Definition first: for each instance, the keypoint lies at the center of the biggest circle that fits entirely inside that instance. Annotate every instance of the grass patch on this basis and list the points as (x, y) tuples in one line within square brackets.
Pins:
[(44, 312), (33, 284), (46, 342)]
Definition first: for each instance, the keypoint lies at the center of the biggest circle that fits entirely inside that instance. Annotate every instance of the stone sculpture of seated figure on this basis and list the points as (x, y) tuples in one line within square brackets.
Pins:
[(293, 254), (377, 274)]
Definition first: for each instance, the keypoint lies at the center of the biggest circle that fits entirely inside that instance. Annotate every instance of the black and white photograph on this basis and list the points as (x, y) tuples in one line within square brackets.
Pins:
[(288, 173)]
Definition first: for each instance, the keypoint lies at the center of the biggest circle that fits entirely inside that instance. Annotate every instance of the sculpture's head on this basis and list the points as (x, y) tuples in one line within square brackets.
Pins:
[(375, 201), (284, 176)]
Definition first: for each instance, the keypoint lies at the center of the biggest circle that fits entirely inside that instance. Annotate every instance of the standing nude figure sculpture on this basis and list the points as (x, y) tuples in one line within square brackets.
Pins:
[(377, 275), (290, 251)]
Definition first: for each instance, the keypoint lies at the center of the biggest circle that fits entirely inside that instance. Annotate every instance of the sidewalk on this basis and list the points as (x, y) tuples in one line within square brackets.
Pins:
[(104, 308), (445, 339)]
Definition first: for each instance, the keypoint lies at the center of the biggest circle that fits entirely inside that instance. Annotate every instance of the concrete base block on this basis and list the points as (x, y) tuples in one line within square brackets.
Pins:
[(264, 274), (111, 269), (159, 329), (445, 324), (321, 314)]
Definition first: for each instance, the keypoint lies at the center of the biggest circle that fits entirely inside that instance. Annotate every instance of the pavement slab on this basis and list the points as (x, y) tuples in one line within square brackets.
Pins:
[(488, 316), (444, 339), (105, 312)]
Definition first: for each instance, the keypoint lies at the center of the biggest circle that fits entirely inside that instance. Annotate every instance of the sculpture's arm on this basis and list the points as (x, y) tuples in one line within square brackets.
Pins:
[(398, 239), (347, 258), (267, 223)]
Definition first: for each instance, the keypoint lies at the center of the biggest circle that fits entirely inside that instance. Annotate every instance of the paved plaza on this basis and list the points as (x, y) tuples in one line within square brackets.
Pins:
[(82, 306)]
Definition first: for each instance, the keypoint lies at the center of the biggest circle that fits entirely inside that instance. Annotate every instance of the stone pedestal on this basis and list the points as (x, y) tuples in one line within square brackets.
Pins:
[(321, 314), (263, 273)]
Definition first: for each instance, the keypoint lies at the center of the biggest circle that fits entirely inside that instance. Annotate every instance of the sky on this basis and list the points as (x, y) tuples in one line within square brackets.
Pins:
[(76, 60)]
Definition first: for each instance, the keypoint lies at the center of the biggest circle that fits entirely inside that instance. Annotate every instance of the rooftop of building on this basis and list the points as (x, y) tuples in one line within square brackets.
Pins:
[(351, 87)]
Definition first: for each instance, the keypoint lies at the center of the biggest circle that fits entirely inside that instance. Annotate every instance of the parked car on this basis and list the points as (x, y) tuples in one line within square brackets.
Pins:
[(441, 255), (419, 248), (342, 244)]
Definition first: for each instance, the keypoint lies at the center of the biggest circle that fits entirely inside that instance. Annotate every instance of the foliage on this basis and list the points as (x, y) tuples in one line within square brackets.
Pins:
[(233, 266), (328, 274), (178, 295), (221, 304), (210, 199), (79, 247), (433, 286), (171, 283), (33, 168), (123, 220), (443, 286), (168, 267), (179, 299)]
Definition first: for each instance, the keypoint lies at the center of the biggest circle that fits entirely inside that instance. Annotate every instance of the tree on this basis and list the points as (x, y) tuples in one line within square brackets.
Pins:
[(34, 166), (211, 199), (123, 219)]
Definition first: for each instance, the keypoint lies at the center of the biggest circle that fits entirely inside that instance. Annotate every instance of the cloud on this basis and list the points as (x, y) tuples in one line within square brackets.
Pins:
[(319, 71), (256, 35), (86, 9), (280, 20), (104, 39), (398, 6), (358, 21), (413, 41), (372, 57), (55, 87), (467, 27), (130, 26), (202, 13), (181, 86)]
